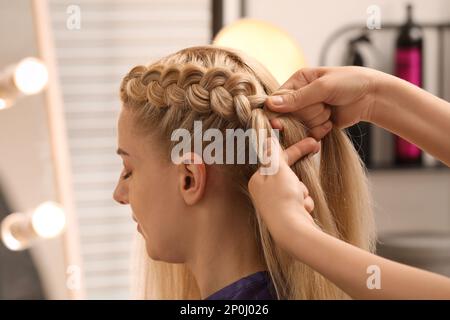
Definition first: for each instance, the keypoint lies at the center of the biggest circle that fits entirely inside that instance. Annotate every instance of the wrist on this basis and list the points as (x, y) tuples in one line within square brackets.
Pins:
[(383, 86), (305, 239)]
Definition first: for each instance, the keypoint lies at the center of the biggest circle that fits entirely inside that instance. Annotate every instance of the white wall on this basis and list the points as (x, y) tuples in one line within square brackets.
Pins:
[(407, 200), (311, 22)]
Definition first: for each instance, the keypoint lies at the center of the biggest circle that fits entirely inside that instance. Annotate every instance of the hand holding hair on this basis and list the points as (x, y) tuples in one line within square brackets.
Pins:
[(348, 95), (356, 94), (282, 199), (284, 204)]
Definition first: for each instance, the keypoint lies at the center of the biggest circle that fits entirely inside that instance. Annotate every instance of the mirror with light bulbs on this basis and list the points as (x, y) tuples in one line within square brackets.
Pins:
[(33, 209)]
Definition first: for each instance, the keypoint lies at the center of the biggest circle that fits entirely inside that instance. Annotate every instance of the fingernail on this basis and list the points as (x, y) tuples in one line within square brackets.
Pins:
[(276, 100)]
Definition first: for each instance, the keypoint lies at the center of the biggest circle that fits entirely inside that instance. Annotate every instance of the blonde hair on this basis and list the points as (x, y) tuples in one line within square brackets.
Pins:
[(226, 89)]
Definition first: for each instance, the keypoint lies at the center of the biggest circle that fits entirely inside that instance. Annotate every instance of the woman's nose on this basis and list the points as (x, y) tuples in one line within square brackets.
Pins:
[(120, 194)]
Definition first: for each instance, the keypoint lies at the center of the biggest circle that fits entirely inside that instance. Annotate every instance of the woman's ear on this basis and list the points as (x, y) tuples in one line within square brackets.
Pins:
[(192, 178)]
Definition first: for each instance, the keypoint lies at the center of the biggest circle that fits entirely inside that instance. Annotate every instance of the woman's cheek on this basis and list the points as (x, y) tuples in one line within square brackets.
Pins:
[(141, 201)]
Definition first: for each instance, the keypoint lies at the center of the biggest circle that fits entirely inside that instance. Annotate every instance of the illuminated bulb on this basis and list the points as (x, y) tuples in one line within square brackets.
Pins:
[(2, 104), (30, 76), (11, 237), (20, 230), (48, 220), (268, 44)]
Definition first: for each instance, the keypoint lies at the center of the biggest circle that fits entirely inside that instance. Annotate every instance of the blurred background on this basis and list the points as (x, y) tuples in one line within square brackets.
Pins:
[(61, 62)]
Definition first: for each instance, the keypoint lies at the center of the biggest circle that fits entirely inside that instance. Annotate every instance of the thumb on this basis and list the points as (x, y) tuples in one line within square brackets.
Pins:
[(293, 153), (310, 94), (301, 149)]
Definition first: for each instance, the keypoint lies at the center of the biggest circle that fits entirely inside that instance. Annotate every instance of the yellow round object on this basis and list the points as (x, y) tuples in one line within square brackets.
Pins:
[(270, 45)]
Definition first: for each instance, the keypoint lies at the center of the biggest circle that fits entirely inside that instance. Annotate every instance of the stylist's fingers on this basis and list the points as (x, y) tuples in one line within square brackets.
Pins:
[(311, 116), (320, 117), (296, 100), (292, 154), (276, 124), (321, 131), (310, 112), (300, 150), (303, 77), (307, 93)]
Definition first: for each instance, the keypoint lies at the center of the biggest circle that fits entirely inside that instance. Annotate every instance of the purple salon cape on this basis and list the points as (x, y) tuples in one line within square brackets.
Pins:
[(257, 286)]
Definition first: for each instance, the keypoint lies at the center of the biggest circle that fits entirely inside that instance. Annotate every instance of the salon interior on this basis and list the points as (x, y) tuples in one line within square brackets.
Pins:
[(61, 62)]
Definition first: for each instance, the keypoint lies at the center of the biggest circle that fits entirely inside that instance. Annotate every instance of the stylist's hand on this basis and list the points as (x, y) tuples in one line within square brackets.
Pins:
[(281, 199), (326, 96)]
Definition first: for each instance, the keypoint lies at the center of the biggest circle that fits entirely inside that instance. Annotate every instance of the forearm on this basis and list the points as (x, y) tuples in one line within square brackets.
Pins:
[(413, 114), (350, 268)]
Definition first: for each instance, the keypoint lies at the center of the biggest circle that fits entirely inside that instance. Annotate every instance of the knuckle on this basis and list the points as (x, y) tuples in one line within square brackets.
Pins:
[(308, 74), (324, 116), (300, 74), (322, 84), (321, 107), (291, 97)]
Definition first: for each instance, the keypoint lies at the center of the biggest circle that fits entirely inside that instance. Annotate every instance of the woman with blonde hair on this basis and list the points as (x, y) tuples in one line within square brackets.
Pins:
[(202, 236)]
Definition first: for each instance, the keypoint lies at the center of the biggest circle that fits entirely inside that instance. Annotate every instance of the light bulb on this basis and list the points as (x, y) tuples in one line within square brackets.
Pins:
[(3, 104), (48, 220), (20, 230), (30, 76), (273, 47), (10, 238)]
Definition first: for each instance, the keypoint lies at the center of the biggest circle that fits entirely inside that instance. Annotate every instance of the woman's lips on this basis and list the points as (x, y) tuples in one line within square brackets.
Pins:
[(137, 227)]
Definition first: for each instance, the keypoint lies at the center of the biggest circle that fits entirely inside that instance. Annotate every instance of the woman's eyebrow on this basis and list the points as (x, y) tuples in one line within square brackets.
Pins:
[(120, 151)]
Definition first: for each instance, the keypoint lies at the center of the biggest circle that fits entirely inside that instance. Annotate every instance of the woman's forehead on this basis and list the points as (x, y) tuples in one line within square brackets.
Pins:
[(136, 143), (126, 135)]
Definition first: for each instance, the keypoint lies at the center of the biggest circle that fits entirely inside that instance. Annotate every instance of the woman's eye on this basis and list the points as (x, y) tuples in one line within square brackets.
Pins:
[(126, 175)]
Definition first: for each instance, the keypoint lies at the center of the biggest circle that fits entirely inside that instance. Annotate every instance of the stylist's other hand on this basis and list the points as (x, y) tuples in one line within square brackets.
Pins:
[(328, 96), (281, 199)]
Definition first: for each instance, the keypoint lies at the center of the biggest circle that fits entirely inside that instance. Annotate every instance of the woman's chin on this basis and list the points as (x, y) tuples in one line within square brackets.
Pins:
[(151, 253), (155, 255)]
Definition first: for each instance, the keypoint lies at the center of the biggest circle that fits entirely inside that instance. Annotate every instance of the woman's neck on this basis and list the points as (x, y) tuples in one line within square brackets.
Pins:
[(226, 250)]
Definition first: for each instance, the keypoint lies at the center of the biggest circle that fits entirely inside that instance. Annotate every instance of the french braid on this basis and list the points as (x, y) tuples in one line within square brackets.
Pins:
[(231, 96)]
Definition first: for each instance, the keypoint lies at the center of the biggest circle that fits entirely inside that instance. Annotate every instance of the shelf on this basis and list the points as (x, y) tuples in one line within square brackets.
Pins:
[(442, 168)]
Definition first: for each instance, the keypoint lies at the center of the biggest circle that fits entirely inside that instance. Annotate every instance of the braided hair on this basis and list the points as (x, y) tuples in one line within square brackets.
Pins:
[(224, 88)]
